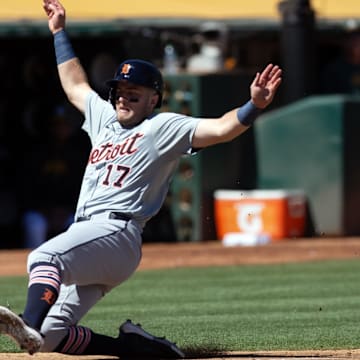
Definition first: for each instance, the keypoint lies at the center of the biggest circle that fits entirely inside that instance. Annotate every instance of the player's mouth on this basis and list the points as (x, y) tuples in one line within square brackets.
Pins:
[(123, 110)]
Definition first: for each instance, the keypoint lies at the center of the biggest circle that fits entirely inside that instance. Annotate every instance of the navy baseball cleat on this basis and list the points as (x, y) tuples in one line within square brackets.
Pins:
[(136, 343), (14, 326)]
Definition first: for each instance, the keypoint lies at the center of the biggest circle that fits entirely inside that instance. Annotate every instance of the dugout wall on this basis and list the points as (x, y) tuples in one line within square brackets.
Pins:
[(230, 165), (313, 145)]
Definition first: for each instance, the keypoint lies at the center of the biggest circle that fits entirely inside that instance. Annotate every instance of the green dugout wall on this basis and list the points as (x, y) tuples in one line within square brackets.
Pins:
[(314, 145), (228, 166)]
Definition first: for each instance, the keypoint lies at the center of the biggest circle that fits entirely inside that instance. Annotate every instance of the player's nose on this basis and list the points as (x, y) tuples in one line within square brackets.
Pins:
[(121, 98)]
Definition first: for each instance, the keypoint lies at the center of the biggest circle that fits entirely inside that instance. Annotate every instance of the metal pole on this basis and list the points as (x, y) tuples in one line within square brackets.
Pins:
[(298, 51)]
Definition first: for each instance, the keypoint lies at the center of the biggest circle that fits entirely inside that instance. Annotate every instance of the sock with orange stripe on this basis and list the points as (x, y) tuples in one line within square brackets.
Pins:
[(82, 341), (43, 290)]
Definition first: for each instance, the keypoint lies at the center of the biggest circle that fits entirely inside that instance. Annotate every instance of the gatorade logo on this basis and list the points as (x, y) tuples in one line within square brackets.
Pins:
[(249, 218)]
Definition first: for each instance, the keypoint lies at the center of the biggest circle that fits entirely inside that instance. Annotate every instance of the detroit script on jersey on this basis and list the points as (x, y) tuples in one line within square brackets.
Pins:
[(110, 151)]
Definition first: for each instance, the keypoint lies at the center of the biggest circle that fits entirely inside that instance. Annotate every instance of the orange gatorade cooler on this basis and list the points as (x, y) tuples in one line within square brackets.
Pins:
[(271, 214)]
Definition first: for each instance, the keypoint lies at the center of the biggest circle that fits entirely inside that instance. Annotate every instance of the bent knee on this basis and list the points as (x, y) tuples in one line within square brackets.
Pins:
[(37, 256)]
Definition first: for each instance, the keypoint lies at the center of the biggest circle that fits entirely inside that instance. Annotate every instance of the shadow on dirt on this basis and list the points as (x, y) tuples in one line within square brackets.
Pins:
[(200, 353)]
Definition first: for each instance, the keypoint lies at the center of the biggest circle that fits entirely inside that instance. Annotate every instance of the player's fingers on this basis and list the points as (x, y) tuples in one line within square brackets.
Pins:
[(275, 76), (54, 9), (47, 10), (256, 79), (58, 4), (274, 70), (272, 88), (264, 76), (46, 5), (50, 9), (49, 4), (276, 84)]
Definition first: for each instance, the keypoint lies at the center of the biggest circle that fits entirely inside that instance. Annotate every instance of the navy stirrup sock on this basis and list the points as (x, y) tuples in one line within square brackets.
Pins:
[(43, 291), (82, 341)]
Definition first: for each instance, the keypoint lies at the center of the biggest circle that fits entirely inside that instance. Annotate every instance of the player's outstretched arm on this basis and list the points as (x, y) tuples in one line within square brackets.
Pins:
[(72, 76), (235, 122)]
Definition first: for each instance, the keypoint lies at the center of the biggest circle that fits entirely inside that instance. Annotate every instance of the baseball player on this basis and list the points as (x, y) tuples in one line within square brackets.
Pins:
[(134, 153)]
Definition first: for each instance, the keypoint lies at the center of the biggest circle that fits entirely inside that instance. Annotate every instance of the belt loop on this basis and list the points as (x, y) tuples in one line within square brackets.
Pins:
[(119, 216), (111, 215), (82, 218)]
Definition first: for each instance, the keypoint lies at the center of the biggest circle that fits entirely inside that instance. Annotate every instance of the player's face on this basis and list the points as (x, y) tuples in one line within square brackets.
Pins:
[(134, 103)]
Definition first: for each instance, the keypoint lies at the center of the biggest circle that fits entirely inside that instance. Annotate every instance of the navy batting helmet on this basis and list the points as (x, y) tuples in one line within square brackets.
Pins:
[(138, 72)]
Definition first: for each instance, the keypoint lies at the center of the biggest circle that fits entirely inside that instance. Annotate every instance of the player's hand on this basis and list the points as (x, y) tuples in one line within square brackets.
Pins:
[(264, 86), (56, 15)]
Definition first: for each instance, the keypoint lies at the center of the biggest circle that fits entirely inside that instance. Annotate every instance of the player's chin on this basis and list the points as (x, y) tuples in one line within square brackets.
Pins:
[(125, 115), (128, 122)]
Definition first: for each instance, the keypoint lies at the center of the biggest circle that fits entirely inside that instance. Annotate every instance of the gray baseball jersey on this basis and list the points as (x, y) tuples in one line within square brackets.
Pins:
[(129, 170)]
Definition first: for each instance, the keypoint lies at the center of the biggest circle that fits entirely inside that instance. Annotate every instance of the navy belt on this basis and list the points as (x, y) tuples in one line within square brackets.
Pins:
[(111, 215)]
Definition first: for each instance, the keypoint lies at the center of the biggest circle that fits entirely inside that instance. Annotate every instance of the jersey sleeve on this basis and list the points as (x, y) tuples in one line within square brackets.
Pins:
[(98, 114), (173, 133)]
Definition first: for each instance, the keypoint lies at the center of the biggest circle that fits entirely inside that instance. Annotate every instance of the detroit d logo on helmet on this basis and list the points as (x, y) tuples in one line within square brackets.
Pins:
[(125, 70)]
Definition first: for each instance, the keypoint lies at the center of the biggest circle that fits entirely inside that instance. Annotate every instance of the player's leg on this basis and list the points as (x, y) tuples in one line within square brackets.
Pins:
[(63, 334), (60, 329), (43, 291), (87, 253)]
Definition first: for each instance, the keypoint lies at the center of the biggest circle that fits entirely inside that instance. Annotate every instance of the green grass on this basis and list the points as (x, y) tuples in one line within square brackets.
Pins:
[(267, 307)]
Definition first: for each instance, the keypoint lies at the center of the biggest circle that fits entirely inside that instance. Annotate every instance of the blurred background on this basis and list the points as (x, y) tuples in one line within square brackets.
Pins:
[(208, 51)]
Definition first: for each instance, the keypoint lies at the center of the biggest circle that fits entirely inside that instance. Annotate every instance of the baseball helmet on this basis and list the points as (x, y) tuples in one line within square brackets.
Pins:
[(138, 72)]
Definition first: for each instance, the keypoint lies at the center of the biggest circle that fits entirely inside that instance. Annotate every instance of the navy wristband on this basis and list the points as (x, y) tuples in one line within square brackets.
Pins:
[(63, 48), (247, 113)]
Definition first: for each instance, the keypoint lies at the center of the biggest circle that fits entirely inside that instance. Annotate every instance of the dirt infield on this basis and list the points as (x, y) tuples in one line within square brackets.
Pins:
[(155, 256), (263, 355)]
